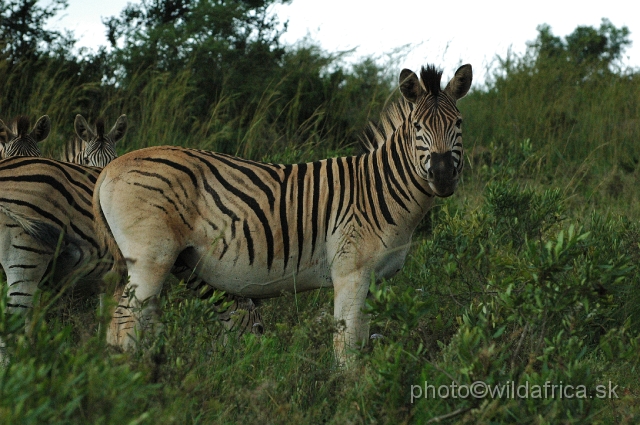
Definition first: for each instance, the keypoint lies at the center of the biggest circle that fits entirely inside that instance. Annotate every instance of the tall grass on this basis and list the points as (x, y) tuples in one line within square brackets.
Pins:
[(35, 89), (566, 116), (551, 125)]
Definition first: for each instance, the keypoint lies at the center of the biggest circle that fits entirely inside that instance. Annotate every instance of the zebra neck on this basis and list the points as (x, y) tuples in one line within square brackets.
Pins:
[(389, 190)]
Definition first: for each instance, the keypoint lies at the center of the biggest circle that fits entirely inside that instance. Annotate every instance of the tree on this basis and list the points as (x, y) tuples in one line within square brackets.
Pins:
[(594, 51), (221, 41), (22, 30)]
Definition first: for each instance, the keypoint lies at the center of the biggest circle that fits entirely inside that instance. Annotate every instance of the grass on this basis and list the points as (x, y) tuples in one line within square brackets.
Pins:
[(527, 275)]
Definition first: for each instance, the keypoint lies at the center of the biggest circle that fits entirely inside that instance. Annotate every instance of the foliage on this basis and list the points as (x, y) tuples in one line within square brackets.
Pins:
[(542, 313), (570, 100), (234, 43), (23, 36), (594, 50), (206, 71)]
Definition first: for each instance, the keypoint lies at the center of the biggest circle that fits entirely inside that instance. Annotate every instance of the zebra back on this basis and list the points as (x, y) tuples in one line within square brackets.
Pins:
[(17, 140)]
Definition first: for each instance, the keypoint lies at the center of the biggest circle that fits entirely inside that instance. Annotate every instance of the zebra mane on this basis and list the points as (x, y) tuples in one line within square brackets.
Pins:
[(431, 77), (375, 135), (21, 124), (100, 127)]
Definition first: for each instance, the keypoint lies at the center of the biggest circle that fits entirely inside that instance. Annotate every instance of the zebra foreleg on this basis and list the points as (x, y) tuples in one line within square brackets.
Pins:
[(350, 293)]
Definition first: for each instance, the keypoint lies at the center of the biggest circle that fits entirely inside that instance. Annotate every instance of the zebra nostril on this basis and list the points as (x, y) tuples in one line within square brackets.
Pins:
[(430, 174), (258, 329)]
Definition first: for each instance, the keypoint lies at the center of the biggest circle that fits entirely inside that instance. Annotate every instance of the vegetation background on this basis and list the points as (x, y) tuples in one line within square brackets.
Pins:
[(527, 275)]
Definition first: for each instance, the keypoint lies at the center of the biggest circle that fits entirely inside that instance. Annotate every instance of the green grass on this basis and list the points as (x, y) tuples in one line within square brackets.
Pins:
[(527, 275)]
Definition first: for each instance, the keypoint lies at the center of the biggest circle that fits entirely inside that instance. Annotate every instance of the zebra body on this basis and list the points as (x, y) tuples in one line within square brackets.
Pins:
[(255, 229), (17, 140), (300, 244), (45, 205)]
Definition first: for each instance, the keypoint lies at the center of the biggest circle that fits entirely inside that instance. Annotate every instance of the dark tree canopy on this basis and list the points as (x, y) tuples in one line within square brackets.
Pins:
[(206, 55), (595, 49), (231, 44), (166, 34), (22, 29)]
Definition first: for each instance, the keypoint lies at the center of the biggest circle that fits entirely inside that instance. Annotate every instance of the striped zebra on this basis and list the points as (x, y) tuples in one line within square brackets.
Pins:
[(92, 146), (17, 140), (257, 229), (45, 206)]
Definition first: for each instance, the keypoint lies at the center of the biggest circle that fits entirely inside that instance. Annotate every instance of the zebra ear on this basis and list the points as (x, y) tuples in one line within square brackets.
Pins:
[(119, 128), (83, 130), (410, 85), (460, 83), (5, 134), (42, 129)]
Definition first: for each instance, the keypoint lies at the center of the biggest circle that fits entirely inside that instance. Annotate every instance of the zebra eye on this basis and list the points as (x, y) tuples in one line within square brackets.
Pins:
[(417, 126), (459, 122)]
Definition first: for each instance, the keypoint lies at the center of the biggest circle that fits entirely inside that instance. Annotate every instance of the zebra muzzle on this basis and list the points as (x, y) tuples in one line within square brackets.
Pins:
[(442, 174)]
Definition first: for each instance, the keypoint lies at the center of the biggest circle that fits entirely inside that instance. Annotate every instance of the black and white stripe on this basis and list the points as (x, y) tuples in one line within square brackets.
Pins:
[(45, 207)]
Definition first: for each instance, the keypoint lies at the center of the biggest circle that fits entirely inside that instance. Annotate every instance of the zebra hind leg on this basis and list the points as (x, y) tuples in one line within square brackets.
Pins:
[(25, 261), (138, 310)]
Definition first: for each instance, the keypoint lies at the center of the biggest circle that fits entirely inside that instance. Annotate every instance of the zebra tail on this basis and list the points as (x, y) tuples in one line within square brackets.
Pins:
[(45, 233), (105, 236)]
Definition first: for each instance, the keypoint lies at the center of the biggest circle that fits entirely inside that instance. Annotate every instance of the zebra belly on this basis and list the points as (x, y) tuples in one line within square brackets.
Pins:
[(391, 261), (246, 280)]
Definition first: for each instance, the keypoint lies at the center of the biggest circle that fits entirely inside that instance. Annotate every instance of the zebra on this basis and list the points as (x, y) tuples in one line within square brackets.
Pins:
[(46, 231), (44, 202), (17, 140), (92, 146), (257, 229)]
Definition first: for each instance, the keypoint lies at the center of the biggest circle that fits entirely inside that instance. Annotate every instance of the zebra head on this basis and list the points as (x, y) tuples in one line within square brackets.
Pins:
[(18, 141), (100, 148), (435, 125)]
